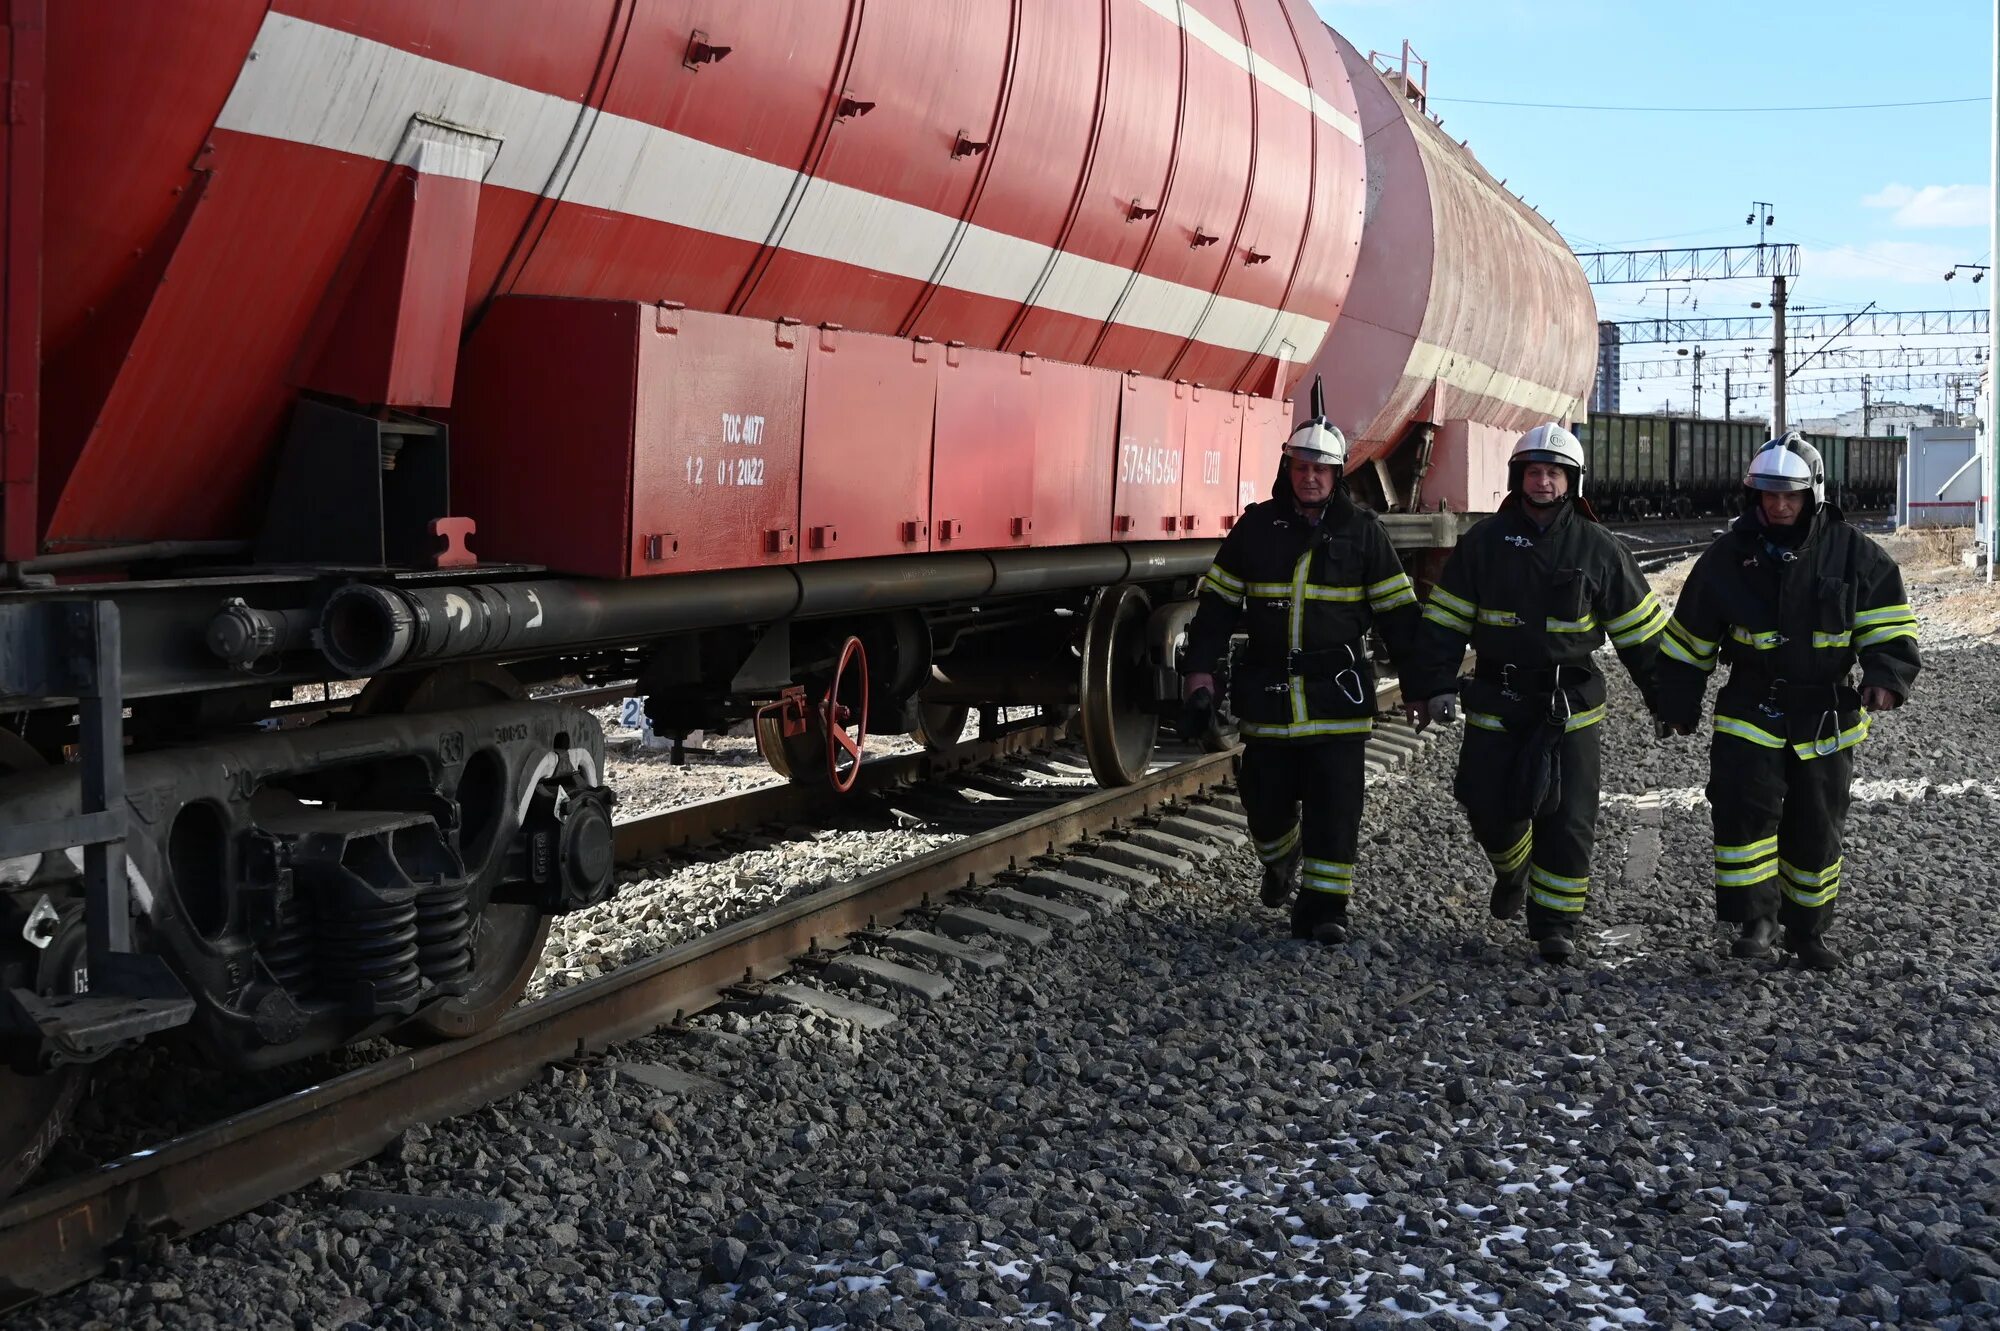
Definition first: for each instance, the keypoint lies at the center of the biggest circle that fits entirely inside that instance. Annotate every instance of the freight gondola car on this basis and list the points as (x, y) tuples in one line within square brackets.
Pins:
[(1674, 466), (821, 365)]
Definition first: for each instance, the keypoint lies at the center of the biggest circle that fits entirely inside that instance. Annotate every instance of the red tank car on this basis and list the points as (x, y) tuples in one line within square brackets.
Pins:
[(725, 350), (1468, 322)]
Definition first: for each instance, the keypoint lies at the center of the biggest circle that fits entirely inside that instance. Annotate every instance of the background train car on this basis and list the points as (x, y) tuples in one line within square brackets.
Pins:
[(1674, 466)]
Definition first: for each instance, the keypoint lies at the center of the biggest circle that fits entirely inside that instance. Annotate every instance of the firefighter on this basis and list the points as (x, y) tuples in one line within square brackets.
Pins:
[(1307, 573), (1535, 589), (1792, 599)]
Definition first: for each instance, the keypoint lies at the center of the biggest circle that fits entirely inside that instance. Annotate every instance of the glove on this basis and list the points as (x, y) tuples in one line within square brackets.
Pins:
[(1442, 709)]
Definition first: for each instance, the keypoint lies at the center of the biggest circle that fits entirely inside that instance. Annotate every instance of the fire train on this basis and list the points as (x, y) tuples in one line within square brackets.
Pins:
[(828, 364)]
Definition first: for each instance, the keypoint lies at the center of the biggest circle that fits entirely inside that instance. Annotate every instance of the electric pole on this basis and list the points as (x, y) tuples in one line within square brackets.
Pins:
[(1698, 354), (1725, 392), (1778, 350), (1866, 383)]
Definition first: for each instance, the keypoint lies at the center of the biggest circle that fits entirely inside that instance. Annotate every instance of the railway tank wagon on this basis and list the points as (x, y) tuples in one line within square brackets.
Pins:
[(1469, 320), (914, 361)]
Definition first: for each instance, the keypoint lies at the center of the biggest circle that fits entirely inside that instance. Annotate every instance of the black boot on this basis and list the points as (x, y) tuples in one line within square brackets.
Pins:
[(1281, 879), (1814, 954), (1556, 948), (1754, 942), (1321, 917), (1509, 895)]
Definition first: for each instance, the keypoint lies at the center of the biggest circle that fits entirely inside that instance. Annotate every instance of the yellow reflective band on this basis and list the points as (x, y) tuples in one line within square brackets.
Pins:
[(1341, 889), (1444, 618), (1831, 639), (1458, 605), (1588, 717), (1884, 614), (1556, 882), (1694, 641), (1847, 739), (1648, 605), (1209, 584), (1297, 633), (1756, 850), (1584, 625), (1505, 619), (1810, 899), (1729, 725), (1272, 591), (1764, 640), (1222, 577), (1886, 633), (1812, 877), (1506, 861), (1407, 596), (1670, 646), (1332, 868), (1485, 721), (1315, 592), (1643, 632), (1270, 852), (1394, 582), (1745, 877), (1359, 725)]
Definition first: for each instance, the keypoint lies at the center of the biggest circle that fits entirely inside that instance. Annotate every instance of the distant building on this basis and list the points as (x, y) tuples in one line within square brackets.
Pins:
[(1886, 418), (1604, 394)]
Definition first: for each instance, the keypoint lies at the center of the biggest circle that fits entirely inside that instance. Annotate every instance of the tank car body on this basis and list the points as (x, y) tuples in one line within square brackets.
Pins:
[(440, 346), (1468, 322)]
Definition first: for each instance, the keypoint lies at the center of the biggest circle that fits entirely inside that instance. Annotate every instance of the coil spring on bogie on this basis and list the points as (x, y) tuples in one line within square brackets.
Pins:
[(288, 951), (444, 934), (370, 955)]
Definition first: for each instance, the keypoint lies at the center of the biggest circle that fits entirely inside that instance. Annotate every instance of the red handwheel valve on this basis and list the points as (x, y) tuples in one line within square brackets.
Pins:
[(843, 751)]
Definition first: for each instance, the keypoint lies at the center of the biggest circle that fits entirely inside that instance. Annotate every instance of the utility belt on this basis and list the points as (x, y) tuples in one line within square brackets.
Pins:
[(1518, 683), (1273, 673), (1808, 713)]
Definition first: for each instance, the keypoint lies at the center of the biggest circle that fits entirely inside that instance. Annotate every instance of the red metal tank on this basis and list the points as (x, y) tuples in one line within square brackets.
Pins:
[(1467, 311), (250, 198)]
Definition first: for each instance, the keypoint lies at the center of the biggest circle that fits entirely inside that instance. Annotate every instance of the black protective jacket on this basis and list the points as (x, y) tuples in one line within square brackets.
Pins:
[(1791, 623), (1533, 604), (1305, 596)]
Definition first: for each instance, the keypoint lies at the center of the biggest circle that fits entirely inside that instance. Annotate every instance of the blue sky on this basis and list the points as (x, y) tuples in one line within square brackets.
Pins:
[(1882, 201)]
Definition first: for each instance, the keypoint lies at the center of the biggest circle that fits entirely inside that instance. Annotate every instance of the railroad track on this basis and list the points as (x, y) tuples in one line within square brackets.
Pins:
[(63, 1233)]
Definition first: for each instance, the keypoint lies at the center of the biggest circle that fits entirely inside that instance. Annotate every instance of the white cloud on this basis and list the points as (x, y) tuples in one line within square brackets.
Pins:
[(1933, 205), (1880, 261)]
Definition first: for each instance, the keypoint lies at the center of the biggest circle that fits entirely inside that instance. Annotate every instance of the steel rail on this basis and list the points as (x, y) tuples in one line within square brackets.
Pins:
[(61, 1235)]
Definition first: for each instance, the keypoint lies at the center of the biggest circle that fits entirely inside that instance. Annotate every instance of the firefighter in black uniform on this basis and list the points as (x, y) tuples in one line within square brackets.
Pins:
[(1792, 598), (1535, 589), (1307, 573)]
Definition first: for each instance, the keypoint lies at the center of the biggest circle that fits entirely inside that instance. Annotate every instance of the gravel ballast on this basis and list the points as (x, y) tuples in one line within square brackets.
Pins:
[(1176, 1116)]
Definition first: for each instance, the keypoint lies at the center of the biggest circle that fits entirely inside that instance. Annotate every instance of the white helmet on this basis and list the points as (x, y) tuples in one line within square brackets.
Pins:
[(1318, 439), (1548, 443), (1787, 465)]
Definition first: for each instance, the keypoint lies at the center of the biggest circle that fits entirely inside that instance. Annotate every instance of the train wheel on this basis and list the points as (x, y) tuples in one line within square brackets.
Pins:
[(939, 725), (1119, 729), (507, 939), (35, 1110)]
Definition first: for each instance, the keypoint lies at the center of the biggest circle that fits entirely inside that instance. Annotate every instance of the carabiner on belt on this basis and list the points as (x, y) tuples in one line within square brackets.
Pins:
[(1349, 683), (1827, 721)]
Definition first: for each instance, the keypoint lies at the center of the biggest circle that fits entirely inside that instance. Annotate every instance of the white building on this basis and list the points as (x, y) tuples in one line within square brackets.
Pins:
[(1885, 418)]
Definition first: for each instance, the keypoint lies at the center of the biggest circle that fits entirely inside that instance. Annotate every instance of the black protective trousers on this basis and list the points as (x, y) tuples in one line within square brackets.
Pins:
[(1778, 820), (1550, 851), (1306, 795)]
